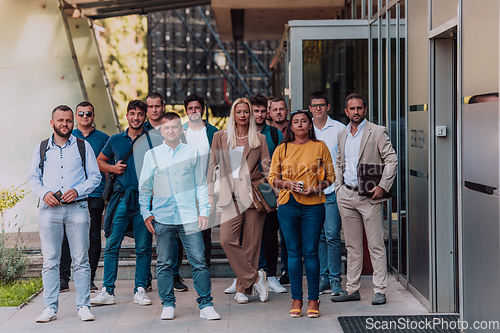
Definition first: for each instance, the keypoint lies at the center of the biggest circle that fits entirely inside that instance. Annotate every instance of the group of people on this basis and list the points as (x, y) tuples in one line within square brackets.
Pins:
[(177, 181)]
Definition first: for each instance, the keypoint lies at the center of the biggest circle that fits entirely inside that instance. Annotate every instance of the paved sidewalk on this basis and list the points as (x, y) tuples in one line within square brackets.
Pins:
[(255, 316)]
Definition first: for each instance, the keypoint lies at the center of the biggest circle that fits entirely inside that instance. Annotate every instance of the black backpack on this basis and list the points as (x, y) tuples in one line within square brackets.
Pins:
[(81, 150), (274, 135)]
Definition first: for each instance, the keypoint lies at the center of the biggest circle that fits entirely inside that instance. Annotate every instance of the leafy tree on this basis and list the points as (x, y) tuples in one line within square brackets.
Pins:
[(124, 51)]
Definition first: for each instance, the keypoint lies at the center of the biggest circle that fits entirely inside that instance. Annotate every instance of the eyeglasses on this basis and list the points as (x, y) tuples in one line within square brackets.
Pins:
[(86, 113), (322, 105)]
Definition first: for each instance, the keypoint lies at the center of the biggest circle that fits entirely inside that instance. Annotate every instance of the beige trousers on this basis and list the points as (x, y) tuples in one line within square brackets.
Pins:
[(358, 212), (244, 258)]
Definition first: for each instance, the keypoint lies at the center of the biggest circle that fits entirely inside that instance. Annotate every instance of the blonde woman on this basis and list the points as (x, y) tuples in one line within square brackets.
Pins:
[(240, 152)]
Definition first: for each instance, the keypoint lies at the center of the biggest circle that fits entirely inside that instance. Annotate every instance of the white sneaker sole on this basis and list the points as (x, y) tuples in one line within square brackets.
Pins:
[(146, 303), (228, 291), (205, 317), (277, 292), (46, 320), (103, 303), (241, 301), (85, 319)]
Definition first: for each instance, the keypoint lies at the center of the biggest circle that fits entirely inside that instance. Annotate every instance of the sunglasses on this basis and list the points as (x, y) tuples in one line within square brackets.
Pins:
[(86, 113)]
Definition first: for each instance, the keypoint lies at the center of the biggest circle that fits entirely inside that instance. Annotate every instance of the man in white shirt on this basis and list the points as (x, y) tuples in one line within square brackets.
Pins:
[(199, 134), (330, 245)]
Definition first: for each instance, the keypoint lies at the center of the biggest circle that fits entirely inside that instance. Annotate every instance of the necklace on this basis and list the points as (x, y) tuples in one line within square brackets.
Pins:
[(242, 137)]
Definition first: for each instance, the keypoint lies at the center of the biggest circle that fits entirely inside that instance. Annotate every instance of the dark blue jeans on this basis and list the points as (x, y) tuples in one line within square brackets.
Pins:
[(301, 225), (143, 240), (195, 251)]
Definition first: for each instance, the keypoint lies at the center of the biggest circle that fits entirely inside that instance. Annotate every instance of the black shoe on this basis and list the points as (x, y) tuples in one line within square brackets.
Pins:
[(149, 287), (345, 297), (63, 286), (93, 287), (285, 279), (178, 285), (379, 299)]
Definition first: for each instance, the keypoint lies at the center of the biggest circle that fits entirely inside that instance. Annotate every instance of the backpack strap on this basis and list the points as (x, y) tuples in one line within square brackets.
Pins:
[(81, 149), (43, 151), (274, 135)]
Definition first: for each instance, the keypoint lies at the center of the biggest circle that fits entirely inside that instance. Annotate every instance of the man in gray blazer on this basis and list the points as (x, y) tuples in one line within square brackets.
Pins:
[(363, 143)]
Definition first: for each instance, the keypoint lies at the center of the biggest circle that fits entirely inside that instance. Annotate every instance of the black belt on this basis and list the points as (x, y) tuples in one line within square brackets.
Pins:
[(352, 188), (72, 202)]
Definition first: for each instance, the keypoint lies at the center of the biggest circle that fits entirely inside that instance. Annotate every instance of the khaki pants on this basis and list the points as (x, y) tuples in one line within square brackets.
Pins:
[(358, 212)]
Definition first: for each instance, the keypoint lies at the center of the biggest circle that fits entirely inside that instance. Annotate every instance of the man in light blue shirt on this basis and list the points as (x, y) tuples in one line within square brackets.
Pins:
[(63, 180), (330, 246), (173, 179)]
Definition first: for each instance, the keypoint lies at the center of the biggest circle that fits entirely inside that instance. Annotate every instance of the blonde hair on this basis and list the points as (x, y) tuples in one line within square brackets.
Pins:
[(253, 140)]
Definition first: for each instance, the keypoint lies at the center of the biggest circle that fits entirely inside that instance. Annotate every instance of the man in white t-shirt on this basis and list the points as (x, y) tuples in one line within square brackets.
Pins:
[(199, 134), (330, 246)]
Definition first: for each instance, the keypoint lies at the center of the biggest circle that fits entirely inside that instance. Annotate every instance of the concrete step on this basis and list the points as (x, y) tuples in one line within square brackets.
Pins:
[(219, 266)]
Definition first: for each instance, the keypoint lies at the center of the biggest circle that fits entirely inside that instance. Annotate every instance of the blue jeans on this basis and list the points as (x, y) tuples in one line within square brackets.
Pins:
[(330, 245), (143, 242), (195, 251), (52, 221), (301, 225)]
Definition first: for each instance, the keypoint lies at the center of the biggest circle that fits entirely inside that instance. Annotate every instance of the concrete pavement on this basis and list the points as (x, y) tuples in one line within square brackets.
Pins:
[(255, 316)]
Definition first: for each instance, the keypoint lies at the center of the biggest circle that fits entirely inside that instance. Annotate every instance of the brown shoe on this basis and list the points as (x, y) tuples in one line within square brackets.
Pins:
[(296, 311), (313, 309)]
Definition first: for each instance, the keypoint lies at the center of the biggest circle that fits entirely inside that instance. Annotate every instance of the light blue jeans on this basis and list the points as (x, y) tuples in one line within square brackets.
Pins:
[(195, 251), (52, 221), (330, 245)]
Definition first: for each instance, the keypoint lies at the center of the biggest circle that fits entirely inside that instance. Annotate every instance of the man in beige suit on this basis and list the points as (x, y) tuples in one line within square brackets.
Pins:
[(363, 143)]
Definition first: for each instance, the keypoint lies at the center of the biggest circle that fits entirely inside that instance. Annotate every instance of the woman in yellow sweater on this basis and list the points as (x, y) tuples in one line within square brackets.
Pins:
[(302, 168)]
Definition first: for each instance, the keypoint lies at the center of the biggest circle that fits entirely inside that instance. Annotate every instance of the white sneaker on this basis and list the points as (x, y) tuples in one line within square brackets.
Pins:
[(261, 287), (231, 289), (209, 313), (241, 298), (103, 298), (47, 315), (274, 285), (168, 313), (84, 314), (140, 297)]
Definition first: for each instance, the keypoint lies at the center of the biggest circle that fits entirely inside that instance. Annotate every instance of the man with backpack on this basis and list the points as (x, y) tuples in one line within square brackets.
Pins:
[(86, 131), (63, 173)]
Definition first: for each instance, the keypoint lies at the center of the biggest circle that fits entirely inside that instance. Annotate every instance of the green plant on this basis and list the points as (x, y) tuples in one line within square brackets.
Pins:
[(13, 262), (9, 197), (16, 293)]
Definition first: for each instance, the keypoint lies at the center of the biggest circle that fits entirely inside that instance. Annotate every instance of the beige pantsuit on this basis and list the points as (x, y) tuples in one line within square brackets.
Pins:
[(244, 258), (358, 212)]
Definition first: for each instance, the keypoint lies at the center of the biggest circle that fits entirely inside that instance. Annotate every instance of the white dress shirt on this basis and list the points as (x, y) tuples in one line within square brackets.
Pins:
[(351, 154), (328, 134)]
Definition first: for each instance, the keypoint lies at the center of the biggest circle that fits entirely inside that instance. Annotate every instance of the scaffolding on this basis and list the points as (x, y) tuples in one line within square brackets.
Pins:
[(187, 57)]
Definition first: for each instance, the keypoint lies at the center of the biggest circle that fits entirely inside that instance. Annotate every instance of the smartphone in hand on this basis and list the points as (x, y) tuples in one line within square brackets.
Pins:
[(58, 195)]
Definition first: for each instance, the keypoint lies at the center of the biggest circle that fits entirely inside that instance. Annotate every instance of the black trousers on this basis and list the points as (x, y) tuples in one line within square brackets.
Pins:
[(270, 242), (96, 207)]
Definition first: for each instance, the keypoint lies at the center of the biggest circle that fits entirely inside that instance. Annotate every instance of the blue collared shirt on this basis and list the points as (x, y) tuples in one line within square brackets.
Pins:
[(351, 154), (117, 148), (97, 140), (63, 170), (175, 181), (329, 135)]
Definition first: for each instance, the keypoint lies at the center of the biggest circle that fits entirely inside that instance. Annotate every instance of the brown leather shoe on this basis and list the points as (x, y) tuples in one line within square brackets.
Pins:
[(313, 309), (296, 310)]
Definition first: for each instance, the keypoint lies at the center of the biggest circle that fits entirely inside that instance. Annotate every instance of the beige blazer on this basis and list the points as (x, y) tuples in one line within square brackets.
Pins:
[(375, 148), (250, 164)]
